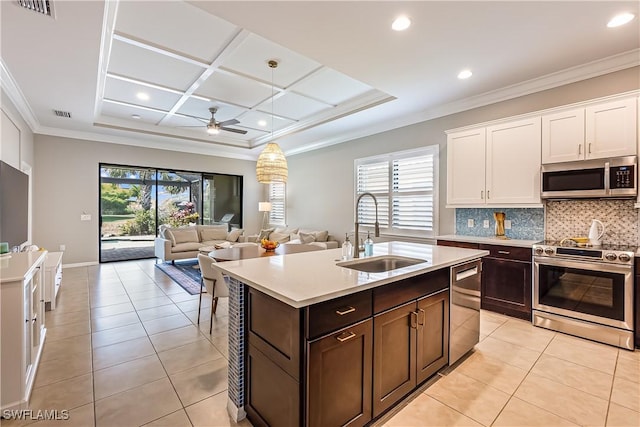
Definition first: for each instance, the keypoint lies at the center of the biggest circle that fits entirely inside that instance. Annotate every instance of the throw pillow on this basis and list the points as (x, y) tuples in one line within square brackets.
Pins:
[(286, 230), (279, 237), (307, 238), (209, 234), (264, 234), (321, 236), (184, 235), (234, 234)]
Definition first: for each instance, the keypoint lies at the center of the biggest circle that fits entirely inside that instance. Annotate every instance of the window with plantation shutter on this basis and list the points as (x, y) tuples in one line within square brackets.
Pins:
[(405, 185), (277, 197)]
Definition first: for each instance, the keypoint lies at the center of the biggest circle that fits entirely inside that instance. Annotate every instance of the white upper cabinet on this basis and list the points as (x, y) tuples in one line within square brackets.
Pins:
[(466, 167), (495, 166), (563, 136), (611, 129), (513, 163), (601, 130)]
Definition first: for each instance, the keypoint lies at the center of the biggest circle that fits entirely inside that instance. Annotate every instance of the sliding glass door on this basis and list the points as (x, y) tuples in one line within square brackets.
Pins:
[(222, 200), (127, 213), (135, 201)]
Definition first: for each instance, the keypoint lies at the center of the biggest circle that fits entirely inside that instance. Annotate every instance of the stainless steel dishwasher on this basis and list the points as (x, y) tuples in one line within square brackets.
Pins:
[(465, 309)]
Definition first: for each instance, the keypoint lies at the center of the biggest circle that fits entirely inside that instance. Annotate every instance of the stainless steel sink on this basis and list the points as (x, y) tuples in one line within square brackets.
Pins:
[(380, 264)]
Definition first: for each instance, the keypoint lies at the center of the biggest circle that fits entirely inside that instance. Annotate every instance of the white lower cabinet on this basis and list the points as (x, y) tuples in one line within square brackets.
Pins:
[(495, 166), (52, 278), (22, 325)]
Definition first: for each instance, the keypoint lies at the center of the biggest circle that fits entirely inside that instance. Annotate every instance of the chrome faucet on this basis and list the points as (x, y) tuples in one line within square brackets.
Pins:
[(356, 244)]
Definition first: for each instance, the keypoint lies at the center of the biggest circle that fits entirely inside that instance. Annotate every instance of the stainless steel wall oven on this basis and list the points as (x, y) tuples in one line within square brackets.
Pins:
[(587, 292)]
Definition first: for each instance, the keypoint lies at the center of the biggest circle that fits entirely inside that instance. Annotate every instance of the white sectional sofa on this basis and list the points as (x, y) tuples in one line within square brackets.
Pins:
[(185, 242), (293, 235)]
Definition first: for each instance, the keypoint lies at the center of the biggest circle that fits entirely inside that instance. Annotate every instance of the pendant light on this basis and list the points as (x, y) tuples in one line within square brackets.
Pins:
[(272, 165)]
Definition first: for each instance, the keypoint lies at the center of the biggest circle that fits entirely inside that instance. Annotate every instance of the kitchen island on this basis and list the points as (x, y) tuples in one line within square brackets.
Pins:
[(301, 333)]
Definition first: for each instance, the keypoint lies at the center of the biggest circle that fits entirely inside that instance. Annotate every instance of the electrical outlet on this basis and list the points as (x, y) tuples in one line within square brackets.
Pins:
[(63, 247), (85, 217), (507, 224), (485, 223), (470, 222)]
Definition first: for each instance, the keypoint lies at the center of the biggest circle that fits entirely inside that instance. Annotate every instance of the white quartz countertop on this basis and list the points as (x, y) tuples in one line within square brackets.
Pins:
[(307, 278), (488, 240), (15, 266)]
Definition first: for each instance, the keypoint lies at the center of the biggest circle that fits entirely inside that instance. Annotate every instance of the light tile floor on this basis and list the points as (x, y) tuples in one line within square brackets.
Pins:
[(123, 349)]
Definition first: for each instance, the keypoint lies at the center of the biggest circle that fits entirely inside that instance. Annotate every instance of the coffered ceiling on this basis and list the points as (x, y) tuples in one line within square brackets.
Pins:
[(147, 72)]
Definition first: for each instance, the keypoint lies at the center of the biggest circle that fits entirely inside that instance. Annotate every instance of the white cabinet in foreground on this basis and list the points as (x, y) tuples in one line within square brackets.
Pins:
[(22, 331)]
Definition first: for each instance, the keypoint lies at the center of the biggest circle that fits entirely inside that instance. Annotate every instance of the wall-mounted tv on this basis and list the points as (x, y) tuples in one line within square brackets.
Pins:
[(14, 205)]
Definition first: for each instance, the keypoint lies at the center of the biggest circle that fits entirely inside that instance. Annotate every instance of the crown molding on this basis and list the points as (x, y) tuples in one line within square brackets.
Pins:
[(12, 90)]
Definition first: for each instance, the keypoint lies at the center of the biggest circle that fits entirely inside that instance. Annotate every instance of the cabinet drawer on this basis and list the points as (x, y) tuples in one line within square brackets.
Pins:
[(467, 245), (398, 293), (508, 252), (329, 316)]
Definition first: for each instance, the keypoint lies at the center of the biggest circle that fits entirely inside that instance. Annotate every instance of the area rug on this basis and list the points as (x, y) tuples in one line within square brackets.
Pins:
[(183, 273)]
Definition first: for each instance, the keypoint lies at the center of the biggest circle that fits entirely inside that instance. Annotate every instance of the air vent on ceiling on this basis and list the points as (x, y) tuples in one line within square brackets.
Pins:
[(61, 113), (40, 6)]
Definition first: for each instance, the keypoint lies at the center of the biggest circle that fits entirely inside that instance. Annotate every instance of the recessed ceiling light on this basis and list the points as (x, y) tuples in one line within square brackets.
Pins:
[(262, 123), (135, 116), (142, 96), (621, 19), (464, 74), (401, 23)]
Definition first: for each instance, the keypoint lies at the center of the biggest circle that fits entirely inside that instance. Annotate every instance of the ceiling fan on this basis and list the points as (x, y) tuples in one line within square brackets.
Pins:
[(214, 127)]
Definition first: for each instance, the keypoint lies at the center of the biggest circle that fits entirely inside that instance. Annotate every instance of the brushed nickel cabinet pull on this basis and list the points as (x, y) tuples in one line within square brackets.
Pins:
[(488, 194), (345, 310), (589, 148), (414, 320), (579, 149), (504, 252), (345, 336), (421, 317), (482, 194)]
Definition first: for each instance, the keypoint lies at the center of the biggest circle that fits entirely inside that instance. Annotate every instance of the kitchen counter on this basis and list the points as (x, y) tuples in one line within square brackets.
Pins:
[(488, 240), (307, 278)]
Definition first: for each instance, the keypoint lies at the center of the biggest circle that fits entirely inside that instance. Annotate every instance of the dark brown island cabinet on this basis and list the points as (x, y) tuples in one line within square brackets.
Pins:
[(345, 361), (506, 278)]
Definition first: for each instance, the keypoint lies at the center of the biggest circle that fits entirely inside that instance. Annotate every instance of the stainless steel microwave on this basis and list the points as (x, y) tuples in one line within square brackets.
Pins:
[(591, 179)]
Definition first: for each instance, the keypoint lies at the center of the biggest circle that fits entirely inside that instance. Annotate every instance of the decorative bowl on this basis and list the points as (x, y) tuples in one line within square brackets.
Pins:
[(269, 245)]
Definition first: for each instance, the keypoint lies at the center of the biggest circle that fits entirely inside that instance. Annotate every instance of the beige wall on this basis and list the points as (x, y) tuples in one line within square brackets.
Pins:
[(321, 183), (66, 185)]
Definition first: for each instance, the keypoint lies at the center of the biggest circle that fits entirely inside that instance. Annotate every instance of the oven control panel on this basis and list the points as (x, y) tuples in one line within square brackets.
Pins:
[(604, 254)]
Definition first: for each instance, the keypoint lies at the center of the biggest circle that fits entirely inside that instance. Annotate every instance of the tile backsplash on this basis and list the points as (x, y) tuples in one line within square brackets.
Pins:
[(526, 223), (558, 220), (572, 218)]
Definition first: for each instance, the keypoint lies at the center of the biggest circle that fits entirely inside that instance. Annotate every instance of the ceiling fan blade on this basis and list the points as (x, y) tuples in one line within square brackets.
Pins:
[(229, 122), (233, 130)]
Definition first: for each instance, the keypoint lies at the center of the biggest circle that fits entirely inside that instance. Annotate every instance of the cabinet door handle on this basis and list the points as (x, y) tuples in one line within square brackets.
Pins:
[(481, 194), (504, 252), (345, 310), (488, 194), (345, 336), (414, 320), (579, 149), (589, 148), (421, 317)]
